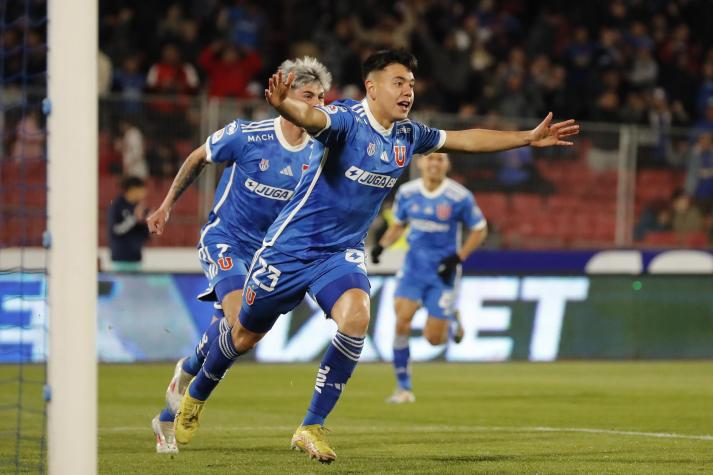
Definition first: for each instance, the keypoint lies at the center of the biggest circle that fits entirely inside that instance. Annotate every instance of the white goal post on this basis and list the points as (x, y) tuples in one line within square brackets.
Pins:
[(72, 222)]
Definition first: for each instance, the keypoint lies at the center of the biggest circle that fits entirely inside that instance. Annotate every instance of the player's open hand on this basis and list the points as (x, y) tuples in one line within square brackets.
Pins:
[(157, 220), (548, 134), (277, 88)]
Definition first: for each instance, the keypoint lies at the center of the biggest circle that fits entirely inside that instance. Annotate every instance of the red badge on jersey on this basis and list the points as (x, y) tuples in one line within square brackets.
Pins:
[(443, 211), (305, 167), (225, 263), (400, 154), (249, 295)]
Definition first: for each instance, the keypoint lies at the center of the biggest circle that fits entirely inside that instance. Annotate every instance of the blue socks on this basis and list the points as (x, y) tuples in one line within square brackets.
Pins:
[(166, 416), (401, 361), (336, 368), (220, 357), (193, 363)]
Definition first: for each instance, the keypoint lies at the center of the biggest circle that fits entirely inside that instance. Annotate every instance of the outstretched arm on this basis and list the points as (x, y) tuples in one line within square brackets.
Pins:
[(191, 168), (482, 140), (297, 112)]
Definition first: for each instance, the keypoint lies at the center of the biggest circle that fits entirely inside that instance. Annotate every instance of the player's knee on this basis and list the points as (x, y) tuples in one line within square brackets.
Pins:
[(403, 326), (244, 340), (433, 337), (351, 312)]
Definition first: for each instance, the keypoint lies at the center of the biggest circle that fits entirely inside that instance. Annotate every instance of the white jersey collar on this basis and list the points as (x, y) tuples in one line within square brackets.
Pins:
[(283, 141), (373, 122), (435, 193)]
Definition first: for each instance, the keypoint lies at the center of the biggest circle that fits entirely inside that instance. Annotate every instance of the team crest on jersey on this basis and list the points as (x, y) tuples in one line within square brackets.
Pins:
[(264, 164), (371, 149), (443, 211), (249, 295), (217, 135), (305, 167), (231, 128), (225, 263), (400, 154), (332, 109)]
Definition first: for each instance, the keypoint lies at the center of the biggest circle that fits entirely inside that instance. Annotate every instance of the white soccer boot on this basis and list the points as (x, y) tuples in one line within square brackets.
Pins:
[(401, 396), (165, 436), (177, 386)]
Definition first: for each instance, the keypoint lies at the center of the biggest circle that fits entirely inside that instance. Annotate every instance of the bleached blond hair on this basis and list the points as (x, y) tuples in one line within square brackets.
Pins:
[(307, 70)]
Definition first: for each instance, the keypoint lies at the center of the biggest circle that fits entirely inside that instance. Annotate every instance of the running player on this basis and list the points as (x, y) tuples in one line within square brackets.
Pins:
[(266, 159), (434, 207), (316, 244)]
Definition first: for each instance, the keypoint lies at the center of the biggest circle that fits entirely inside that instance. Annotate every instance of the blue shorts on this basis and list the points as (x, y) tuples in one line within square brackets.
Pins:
[(225, 265), (438, 297), (277, 283)]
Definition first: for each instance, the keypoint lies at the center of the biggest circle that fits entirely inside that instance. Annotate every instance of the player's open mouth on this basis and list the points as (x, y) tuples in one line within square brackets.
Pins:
[(404, 105)]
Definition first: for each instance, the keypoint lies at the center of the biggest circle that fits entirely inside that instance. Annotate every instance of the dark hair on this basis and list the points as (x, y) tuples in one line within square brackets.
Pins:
[(129, 182), (383, 58)]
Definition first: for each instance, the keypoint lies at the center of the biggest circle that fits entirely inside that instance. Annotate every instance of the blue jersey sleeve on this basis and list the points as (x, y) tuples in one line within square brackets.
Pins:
[(340, 124), (226, 144), (425, 139), (471, 215), (399, 209)]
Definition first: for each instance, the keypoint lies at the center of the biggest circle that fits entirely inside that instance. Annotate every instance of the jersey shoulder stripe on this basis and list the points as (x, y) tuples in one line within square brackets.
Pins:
[(410, 187), (260, 128), (457, 191), (258, 123)]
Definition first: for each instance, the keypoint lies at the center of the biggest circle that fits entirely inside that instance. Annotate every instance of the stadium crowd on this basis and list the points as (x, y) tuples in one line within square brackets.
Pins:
[(609, 61), (647, 62)]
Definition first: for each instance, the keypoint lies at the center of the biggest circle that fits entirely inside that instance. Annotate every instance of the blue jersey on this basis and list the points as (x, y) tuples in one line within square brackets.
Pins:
[(435, 219), (262, 172), (344, 188)]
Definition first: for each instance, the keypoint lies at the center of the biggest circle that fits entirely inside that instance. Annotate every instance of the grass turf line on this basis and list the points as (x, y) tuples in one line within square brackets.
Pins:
[(579, 417)]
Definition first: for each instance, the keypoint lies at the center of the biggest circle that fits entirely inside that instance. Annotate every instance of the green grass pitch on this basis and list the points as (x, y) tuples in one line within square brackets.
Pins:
[(566, 417)]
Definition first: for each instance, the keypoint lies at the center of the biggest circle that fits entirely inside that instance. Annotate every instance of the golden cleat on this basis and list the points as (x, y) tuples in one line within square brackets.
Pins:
[(186, 422), (312, 440)]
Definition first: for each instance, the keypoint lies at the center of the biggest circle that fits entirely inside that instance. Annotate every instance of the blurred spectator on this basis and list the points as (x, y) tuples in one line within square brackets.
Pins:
[(247, 21), (229, 69), (518, 173), (662, 117), (169, 28), (131, 147), (29, 139), (687, 218), (170, 75), (644, 69), (634, 111), (129, 82), (127, 225), (656, 217), (699, 179)]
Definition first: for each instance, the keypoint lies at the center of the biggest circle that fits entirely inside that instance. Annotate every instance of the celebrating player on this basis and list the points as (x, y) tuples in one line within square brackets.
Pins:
[(316, 244), (266, 159), (434, 207)]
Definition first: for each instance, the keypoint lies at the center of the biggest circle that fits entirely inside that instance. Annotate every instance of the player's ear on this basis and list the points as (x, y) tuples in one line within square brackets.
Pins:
[(370, 87)]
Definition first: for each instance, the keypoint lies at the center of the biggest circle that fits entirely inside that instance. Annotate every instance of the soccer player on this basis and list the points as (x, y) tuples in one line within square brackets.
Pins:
[(434, 207), (316, 244), (265, 161)]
